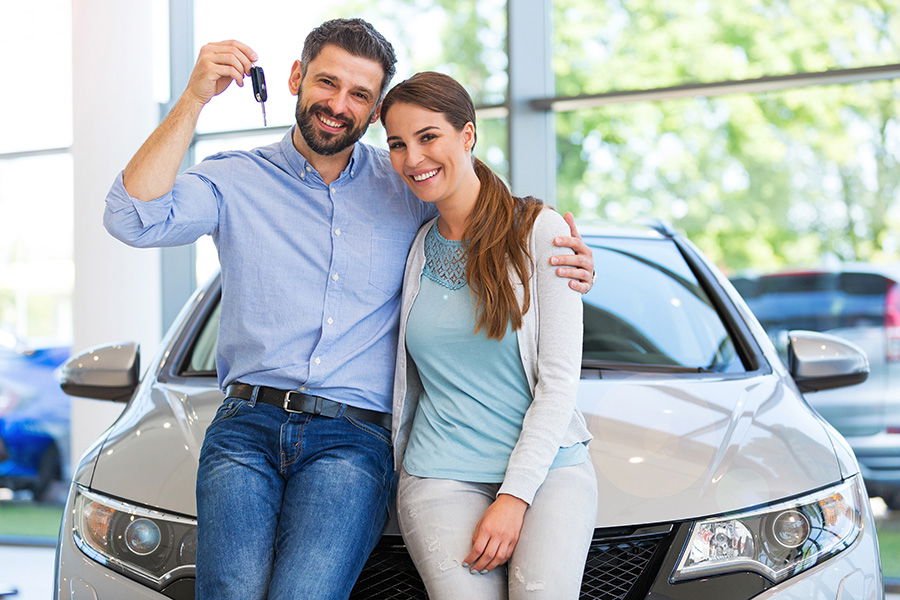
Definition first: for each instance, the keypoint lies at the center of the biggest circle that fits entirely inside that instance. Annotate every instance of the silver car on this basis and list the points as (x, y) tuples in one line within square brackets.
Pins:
[(861, 303), (716, 479)]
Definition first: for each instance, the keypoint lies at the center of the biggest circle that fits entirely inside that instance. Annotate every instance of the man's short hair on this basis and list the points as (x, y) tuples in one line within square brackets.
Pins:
[(357, 37)]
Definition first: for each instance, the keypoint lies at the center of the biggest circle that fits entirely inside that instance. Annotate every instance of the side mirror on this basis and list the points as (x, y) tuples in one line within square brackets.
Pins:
[(818, 361), (105, 373)]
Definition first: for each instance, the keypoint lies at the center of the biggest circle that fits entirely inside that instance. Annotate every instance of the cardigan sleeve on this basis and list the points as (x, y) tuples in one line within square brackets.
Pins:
[(559, 331)]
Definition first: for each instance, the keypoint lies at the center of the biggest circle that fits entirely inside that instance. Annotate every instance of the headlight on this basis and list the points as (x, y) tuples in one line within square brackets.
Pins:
[(777, 541), (152, 547)]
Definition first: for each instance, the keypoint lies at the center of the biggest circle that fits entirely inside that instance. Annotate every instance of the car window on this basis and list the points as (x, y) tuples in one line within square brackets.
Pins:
[(201, 360), (648, 308), (818, 301)]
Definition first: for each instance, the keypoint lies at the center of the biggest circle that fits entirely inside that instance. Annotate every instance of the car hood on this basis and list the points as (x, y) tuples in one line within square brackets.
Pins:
[(669, 449), (664, 448)]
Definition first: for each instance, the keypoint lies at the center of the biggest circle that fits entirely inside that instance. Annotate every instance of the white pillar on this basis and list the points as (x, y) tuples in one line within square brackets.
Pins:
[(117, 288)]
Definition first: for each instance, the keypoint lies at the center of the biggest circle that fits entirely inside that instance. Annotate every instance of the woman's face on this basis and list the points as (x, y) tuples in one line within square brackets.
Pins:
[(434, 159)]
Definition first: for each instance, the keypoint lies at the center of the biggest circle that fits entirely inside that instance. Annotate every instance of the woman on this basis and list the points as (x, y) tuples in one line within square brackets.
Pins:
[(491, 449)]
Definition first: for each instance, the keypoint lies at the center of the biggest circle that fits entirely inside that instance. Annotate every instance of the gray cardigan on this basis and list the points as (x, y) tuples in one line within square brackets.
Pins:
[(550, 348)]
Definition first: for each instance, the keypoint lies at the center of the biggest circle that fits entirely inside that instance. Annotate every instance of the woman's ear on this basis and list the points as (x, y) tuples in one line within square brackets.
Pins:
[(468, 132)]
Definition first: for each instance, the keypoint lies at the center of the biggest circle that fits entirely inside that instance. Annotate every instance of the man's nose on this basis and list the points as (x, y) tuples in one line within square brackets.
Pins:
[(338, 103)]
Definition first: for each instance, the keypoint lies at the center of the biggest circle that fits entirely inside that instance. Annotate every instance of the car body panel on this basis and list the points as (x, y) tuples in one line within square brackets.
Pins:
[(868, 414), (667, 448)]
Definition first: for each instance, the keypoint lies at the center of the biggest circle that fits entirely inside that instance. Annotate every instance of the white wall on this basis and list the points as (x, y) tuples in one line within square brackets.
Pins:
[(117, 288)]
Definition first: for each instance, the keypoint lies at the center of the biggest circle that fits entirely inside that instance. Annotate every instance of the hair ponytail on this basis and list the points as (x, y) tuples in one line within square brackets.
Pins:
[(497, 236)]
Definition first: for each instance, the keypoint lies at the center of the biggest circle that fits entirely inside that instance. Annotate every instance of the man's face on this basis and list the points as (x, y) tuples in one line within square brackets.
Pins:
[(337, 99)]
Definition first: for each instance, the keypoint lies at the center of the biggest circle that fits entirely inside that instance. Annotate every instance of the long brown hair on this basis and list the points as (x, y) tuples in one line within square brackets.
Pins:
[(497, 232)]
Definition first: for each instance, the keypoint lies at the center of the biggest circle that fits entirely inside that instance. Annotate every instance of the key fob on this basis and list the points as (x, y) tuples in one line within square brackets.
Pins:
[(258, 78)]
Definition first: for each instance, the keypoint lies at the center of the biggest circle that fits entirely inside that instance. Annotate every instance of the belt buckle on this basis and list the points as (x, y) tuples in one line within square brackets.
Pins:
[(287, 401)]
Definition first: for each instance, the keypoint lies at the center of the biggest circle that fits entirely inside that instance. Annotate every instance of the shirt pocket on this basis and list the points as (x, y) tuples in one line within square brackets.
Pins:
[(388, 259)]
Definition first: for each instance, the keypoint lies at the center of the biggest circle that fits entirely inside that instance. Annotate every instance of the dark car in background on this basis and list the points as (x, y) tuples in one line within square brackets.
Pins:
[(34, 418), (860, 303)]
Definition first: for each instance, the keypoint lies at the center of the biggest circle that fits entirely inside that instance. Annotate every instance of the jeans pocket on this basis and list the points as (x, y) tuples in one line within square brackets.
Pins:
[(228, 409), (376, 431)]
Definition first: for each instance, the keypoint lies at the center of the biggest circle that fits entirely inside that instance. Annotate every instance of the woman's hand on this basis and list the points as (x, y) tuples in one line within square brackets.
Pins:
[(578, 267), (496, 534)]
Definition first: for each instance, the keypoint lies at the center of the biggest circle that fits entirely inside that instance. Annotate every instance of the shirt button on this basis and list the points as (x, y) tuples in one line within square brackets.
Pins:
[(337, 231), (308, 168), (331, 189), (318, 360), (303, 388), (330, 320), (335, 277)]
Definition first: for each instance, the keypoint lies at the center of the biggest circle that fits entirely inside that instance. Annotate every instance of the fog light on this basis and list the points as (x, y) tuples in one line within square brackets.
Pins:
[(142, 536), (790, 529)]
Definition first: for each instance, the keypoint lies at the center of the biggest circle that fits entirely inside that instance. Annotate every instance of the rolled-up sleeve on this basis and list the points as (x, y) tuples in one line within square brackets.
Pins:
[(188, 211)]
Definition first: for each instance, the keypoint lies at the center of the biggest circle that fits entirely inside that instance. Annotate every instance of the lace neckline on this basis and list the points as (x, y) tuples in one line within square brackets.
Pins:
[(445, 260)]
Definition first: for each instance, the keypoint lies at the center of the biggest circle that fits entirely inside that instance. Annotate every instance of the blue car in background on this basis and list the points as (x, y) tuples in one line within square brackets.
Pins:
[(34, 420)]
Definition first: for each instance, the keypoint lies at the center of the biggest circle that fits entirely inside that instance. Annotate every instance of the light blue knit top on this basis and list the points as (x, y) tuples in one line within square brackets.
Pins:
[(475, 396)]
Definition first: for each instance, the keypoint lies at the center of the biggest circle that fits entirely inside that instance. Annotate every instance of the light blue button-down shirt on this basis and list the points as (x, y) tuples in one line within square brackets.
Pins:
[(311, 273)]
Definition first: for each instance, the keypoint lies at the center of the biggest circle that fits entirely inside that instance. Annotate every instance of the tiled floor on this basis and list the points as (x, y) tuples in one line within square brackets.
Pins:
[(30, 570)]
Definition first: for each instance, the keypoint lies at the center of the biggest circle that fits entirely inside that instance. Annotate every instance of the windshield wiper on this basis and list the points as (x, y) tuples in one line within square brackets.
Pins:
[(608, 365)]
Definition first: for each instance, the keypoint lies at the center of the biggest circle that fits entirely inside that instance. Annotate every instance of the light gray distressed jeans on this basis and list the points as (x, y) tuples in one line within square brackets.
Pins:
[(438, 517)]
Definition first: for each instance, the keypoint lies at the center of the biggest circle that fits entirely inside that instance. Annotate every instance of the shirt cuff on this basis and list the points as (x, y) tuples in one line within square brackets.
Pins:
[(150, 212)]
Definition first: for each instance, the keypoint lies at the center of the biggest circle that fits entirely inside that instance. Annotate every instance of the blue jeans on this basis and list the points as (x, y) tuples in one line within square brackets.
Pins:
[(289, 506)]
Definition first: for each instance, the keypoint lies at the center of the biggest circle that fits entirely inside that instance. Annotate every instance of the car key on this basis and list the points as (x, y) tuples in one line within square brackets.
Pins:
[(259, 88)]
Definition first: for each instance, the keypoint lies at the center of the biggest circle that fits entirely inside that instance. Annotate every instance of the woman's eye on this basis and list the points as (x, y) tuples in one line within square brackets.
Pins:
[(395, 145), (428, 137)]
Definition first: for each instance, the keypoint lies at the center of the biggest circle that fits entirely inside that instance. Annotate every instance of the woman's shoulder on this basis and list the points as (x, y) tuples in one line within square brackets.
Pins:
[(549, 224)]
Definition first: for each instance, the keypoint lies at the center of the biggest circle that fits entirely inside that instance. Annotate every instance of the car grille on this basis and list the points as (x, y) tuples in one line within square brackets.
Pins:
[(615, 563)]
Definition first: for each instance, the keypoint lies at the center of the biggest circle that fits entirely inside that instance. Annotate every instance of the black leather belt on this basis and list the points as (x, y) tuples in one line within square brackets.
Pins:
[(298, 402)]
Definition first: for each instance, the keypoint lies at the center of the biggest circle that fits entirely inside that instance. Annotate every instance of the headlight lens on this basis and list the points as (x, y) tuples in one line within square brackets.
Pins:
[(777, 541), (152, 547)]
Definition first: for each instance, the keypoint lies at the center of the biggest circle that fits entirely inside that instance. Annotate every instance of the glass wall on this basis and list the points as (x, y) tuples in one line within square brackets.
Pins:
[(36, 268), (428, 37), (758, 181)]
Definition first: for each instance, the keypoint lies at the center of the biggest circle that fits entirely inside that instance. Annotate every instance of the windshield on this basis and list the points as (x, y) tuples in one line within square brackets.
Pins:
[(648, 308)]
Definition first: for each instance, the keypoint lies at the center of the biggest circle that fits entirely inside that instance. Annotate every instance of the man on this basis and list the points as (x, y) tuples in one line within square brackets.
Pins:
[(295, 472)]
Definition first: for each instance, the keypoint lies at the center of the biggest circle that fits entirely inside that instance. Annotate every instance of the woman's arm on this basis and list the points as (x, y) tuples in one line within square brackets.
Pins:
[(559, 322)]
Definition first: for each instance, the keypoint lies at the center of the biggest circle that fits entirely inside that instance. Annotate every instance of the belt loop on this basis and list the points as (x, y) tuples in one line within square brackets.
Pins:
[(318, 405), (253, 396)]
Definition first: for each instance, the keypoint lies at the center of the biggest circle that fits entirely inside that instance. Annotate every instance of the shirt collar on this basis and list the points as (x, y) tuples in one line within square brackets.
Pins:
[(299, 163)]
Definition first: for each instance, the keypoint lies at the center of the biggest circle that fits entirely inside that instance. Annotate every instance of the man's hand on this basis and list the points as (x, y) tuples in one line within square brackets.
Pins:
[(578, 267), (219, 64), (496, 534)]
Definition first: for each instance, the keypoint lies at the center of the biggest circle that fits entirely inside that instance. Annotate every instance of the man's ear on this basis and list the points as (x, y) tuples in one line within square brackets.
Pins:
[(296, 77), (376, 114)]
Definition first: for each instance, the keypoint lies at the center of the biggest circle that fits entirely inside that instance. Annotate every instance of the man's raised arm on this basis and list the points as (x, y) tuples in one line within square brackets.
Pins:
[(152, 170)]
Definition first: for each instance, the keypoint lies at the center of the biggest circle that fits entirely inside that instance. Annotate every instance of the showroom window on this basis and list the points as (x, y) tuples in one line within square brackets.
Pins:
[(427, 38), (36, 268)]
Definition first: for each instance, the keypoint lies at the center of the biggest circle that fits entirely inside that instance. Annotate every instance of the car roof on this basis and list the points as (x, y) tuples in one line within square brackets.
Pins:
[(889, 270)]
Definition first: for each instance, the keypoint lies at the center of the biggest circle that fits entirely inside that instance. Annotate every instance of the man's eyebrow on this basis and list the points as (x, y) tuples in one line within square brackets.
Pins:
[(358, 88)]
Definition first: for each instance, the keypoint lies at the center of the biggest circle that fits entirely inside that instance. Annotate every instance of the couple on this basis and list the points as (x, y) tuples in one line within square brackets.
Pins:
[(496, 494)]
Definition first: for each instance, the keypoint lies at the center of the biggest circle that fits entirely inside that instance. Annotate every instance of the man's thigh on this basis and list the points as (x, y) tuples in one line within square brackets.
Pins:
[(334, 508), (239, 493)]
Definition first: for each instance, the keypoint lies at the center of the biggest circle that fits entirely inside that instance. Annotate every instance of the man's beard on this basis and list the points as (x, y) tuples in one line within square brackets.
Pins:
[(323, 142)]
